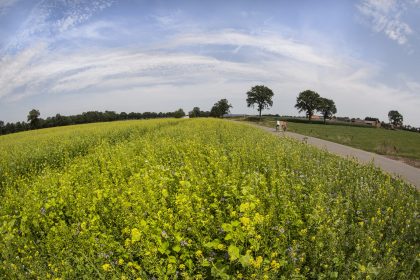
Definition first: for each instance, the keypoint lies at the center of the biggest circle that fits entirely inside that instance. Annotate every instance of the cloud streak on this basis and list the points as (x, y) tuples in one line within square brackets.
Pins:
[(50, 18), (283, 64), (385, 17)]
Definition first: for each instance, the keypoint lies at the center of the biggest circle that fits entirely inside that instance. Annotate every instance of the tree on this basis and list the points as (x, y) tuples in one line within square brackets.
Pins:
[(327, 108), (395, 118), (220, 108), (308, 101), (261, 96), (179, 113), (195, 113), (33, 118)]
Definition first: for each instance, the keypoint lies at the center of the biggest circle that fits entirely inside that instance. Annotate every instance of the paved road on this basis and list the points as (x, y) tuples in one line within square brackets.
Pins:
[(406, 172)]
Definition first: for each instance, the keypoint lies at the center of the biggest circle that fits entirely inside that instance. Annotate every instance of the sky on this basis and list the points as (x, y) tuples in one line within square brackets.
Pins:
[(72, 56)]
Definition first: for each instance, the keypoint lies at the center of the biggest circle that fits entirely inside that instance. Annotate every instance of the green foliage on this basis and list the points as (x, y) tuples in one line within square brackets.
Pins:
[(220, 108), (33, 118), (196, 199), (179, 113), (308, 101), (383, 141), (395, 118), (327, 108), (261, 96), (195, 113)]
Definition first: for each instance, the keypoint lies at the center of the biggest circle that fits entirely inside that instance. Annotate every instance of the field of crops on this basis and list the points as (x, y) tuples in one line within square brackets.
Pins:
[(197, 199)]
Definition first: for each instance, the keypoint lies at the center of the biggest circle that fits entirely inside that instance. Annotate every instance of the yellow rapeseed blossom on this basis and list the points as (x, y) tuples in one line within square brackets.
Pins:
[(257, 262), (198, 253), (135, 235), (195, 199), (106, 267), (275, 265), (245, 221)]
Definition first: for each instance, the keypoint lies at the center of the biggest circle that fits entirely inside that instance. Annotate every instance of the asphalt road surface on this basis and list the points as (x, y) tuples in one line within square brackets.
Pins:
[(398, 169)]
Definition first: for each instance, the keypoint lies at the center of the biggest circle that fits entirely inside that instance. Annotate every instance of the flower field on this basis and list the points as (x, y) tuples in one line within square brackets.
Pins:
[(197, 199)]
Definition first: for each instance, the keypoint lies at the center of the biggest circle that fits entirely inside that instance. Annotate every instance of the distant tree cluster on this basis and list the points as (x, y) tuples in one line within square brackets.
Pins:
[(219, 109), (197, 113), (310, 101), (35, 122)]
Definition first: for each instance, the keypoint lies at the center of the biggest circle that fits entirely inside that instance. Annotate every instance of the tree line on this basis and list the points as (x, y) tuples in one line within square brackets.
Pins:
[(259, 97), (35, 122)]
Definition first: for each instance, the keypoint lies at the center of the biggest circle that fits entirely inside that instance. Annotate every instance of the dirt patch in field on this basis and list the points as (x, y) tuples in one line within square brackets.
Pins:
[(409, 161)]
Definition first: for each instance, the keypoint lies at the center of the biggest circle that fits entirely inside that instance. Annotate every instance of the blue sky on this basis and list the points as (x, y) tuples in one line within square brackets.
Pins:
[(72, 56)]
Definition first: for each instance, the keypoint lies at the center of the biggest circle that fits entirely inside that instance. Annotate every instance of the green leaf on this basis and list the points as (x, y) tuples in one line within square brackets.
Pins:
[(172, 259), (227, 227), (233, 252), (245, 260)]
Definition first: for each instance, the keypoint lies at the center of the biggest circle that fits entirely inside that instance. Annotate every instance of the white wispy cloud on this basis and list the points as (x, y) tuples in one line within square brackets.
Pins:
[(113, 74), (386, 16), (267, 42), (49, 18)]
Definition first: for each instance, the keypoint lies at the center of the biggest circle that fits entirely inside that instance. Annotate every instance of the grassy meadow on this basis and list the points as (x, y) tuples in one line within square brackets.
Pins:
[(382, 141), (197, 199)]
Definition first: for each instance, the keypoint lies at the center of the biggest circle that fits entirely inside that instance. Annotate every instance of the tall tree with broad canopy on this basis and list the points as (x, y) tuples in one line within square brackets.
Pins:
[(33, 118), (327, 108), (395, 118), (308, 101), (261, 96), (195, 113), (220, 108)]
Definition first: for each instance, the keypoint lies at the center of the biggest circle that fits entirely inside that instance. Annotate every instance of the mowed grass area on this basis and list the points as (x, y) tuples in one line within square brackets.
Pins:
[(382, 141), (197, 199)]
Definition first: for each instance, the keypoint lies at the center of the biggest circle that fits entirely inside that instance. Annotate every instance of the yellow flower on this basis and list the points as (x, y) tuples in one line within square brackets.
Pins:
[(198, 253), (245, 221), (257, 262), (106, 267), (135, 235), (275, 264)]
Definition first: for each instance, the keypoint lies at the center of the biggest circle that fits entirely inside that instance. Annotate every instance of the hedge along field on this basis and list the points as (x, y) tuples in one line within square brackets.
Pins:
[(197, 199)]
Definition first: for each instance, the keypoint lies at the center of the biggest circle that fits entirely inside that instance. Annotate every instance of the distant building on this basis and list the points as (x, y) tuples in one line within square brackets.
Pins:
[(358, 120), (375, 123)]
